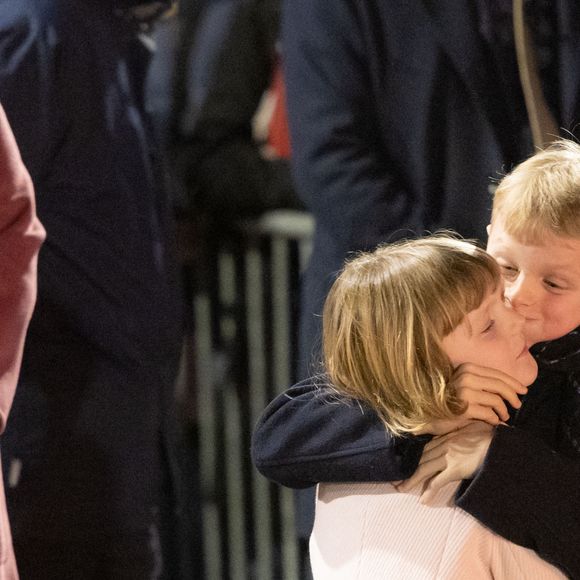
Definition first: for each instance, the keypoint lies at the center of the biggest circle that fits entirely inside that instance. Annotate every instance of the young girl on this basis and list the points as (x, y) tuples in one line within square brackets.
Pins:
[(396, 324)]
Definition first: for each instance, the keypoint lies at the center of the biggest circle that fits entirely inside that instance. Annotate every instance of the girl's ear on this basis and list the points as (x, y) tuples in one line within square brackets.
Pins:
[(488, 229)]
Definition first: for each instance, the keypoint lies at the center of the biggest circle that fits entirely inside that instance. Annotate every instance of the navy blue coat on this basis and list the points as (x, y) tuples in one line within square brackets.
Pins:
[(103, 344), (398, 124)]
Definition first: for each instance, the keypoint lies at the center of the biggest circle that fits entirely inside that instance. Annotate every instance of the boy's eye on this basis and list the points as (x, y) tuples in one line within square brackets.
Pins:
[(553, 285)]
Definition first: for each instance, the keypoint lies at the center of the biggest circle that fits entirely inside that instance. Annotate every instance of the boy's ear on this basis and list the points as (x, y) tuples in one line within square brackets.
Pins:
[(488, 229)]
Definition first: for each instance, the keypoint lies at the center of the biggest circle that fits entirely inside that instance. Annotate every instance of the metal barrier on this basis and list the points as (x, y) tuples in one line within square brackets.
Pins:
[(245, 331)]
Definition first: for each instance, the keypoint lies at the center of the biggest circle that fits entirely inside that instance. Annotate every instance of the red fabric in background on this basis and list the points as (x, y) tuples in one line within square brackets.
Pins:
[(278, 134)]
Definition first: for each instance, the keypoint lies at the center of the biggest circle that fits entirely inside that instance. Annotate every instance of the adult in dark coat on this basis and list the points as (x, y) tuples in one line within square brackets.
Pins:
[(401, 113), (83, 453)]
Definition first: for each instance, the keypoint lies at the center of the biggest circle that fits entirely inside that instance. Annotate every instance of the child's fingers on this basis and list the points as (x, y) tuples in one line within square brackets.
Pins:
[(488, 376), (437, 482), (441, 427), (424, 471), (486, 385), (502, 390), (484, 399), (485, 414), (440, 446), (434, 450)]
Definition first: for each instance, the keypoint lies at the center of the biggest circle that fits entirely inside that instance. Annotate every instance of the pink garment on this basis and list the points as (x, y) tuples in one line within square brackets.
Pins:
[(371, 531), (21, 236)]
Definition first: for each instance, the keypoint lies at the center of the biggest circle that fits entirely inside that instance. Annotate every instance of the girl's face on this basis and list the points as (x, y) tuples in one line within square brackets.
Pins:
[(493, 336)]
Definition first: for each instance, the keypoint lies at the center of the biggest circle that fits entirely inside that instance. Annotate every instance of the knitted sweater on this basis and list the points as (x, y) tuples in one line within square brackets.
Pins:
[(371, 531)]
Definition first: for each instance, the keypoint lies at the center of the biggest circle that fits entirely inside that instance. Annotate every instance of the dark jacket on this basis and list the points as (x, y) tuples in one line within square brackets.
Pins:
[(527, 490), (308, 435), (102, 346)]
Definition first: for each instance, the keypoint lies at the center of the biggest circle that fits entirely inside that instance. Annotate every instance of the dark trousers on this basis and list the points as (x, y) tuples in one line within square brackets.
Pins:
[(111, 558)]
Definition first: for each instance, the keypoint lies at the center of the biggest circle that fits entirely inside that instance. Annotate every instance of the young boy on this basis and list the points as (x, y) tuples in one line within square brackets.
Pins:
[(527, 489)]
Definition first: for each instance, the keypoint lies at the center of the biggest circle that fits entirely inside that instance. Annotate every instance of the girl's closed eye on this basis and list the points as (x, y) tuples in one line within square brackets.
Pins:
[(488, 327), (553, 285)]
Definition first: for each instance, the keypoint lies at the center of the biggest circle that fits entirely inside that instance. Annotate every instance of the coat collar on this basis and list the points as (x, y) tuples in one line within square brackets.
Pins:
[(562, 353)]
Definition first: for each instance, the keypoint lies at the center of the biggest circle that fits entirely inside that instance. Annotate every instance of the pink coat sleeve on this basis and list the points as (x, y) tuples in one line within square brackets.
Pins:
[(21, 236)]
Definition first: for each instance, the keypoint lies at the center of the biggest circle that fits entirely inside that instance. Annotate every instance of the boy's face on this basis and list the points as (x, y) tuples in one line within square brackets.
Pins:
[(541, 281)]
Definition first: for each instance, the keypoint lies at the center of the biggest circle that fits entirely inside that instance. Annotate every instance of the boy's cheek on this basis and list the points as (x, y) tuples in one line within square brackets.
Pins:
[(563, 315), (534, 332), (554, 327), (574, 319), (551, 319)]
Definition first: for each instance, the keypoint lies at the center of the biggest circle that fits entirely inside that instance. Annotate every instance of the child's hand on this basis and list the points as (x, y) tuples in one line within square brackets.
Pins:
[(484, 391), (452, 457)]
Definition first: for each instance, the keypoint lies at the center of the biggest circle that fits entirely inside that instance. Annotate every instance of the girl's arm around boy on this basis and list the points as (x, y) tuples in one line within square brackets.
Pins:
[(309, 435)]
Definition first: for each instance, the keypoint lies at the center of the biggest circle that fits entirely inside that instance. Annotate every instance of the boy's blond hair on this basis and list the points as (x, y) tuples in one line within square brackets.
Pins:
[(385, 317), (542, 195)]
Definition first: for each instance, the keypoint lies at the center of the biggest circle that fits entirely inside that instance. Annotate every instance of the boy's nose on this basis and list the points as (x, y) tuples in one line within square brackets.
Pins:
[(517, 322), (521, 294)]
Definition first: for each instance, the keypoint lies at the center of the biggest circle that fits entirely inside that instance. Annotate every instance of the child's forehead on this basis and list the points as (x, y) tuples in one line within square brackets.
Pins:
[(492, 295), (534, 235), (551, 245), (532, 215), (522, 233)]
